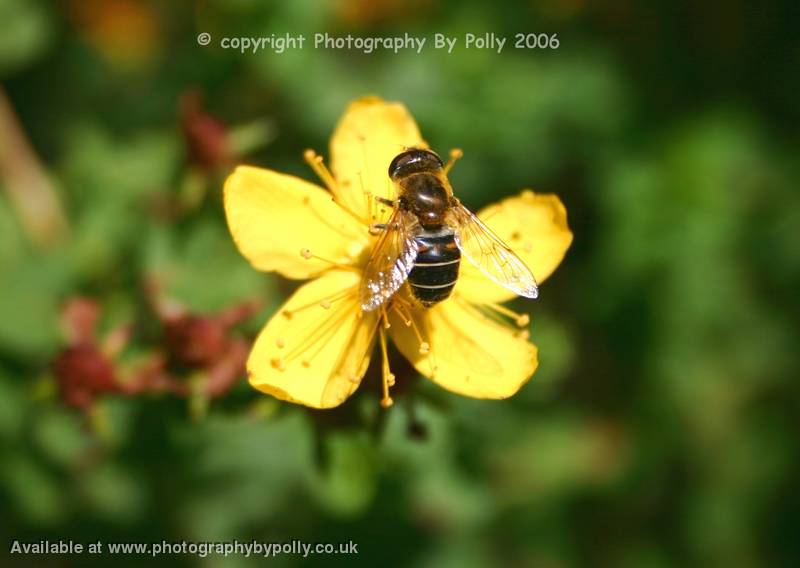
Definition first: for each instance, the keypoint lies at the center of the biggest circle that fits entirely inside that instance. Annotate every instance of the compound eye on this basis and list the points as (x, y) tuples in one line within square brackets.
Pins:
[(399, 164), (412, 161)]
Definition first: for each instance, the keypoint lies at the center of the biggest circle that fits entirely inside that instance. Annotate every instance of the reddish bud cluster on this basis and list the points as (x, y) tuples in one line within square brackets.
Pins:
[(192, 344), (206, 138)]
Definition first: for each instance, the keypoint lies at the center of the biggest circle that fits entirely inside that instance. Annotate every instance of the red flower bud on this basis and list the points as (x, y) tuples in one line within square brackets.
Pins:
[(83, 372)]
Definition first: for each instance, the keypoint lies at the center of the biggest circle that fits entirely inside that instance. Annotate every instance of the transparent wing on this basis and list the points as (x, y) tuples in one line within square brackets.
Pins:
[(391, 261), (491, 255)]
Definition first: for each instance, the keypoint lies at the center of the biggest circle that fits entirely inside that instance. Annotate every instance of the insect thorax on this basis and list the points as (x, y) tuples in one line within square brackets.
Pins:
[(425, 196)]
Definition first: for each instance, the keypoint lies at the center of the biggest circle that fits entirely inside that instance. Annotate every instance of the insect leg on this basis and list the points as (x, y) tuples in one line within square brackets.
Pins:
[(376, 228), (385, 201)]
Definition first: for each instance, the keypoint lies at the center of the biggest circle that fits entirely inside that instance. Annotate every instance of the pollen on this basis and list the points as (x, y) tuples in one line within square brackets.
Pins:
[(523, 320), (325, 304), (306, 253), (280, 343), (278, 364), (424, 348), (386, 401)]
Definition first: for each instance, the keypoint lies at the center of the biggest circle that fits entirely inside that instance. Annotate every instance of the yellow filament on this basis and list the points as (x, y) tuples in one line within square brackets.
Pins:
[(320, 335), (520, 319), (318, 165), (308, 255), (326, 301), (403, 309), (424, 346)]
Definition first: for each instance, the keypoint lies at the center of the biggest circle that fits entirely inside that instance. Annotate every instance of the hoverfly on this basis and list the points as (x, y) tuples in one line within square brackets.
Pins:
[(427, 233)]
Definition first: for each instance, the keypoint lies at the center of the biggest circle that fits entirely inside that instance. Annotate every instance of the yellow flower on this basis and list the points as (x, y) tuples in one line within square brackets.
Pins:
[(315, 350)]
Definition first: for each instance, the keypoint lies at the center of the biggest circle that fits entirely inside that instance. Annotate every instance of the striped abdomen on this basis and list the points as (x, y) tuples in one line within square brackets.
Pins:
[(436, 267)]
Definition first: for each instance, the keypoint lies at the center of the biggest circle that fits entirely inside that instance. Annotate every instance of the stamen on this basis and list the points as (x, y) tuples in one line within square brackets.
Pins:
[(388, 377), (328, 300), (368, 196), (320, 335), (369, 201), (386, 324), (308, 255), (406, 320), (318, 165), (403, 309), (424, 346), (520, 319), (455, 154)]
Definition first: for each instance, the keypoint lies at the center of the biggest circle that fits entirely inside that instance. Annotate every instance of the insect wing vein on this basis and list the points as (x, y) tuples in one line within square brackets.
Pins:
[(490, 254), (391, 261)]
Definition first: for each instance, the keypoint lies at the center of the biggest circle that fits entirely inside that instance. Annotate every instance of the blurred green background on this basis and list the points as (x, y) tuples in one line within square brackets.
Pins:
[(661, 428)]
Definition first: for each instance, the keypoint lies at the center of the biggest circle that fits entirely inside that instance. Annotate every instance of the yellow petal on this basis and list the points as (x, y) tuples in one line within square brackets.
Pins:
[(369, 135), (469, 354), (273, 216), (535, 227), (312, 355)]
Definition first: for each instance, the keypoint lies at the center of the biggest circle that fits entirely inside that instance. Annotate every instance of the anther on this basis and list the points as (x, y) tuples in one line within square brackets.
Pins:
[(280, 343), (523, 320), (386, 402)]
